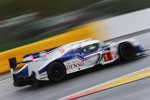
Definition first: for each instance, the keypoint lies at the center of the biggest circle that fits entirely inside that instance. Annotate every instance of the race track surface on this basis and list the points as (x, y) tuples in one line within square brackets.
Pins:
[(138, 90), (85, 79)]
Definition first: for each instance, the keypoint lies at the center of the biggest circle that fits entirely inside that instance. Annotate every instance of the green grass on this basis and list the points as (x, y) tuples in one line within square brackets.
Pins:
[(29, 40), (11, 8)]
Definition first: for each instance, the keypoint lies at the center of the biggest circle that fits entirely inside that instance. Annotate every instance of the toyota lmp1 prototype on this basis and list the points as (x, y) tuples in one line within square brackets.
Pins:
[(55, 63)]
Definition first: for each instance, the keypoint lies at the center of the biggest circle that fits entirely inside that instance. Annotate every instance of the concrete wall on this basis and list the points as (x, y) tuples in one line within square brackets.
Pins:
[(124, 24)]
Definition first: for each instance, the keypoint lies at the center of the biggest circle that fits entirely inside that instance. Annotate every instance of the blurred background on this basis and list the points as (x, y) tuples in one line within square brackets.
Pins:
[(27, 21)]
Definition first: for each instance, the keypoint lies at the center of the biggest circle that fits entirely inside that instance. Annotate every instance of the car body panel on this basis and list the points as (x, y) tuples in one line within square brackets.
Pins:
[(75, 56)]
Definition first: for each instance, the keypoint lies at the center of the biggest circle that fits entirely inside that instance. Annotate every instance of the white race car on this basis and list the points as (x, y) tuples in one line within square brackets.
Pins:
[(55, 63)]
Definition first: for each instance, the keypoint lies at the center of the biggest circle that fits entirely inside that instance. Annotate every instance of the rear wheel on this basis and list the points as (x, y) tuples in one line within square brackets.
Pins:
[(126, 51), (56, 71)]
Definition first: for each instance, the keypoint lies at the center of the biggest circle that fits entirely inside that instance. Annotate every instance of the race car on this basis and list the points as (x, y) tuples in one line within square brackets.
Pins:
[(55, 63)]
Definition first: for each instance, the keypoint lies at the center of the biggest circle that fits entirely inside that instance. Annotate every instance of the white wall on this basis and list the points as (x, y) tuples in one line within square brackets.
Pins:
[(124, 24)]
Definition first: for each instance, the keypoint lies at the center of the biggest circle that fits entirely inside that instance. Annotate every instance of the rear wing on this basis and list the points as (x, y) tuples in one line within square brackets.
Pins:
[(13, 63)]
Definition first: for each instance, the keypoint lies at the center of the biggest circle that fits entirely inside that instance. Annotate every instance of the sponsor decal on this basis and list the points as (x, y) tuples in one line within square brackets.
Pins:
[(107, 56), (75, 65)]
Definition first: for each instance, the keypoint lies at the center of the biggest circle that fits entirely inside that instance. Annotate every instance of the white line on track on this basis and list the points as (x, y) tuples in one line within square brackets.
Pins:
[(124, 76)]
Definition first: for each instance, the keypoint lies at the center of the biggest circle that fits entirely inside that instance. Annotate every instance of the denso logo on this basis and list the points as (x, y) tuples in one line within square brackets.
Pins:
[(76, 65)]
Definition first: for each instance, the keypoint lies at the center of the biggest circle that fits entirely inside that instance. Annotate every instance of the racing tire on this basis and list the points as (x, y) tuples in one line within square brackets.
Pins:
[(56, 71), (126, 51)]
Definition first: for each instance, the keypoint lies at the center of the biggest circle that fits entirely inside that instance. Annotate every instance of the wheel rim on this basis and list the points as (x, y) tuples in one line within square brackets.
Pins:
[(56, 72), (127, 51)]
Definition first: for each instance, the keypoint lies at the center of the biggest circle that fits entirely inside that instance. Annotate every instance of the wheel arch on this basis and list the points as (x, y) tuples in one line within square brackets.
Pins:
[(59, 61)]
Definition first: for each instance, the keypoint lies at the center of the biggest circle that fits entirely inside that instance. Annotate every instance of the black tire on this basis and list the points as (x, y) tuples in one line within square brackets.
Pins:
[(56, 71), (126, 51)]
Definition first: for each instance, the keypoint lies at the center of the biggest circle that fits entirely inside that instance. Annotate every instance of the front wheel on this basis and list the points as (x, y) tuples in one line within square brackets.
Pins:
[(126, 51), (56, 71)]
